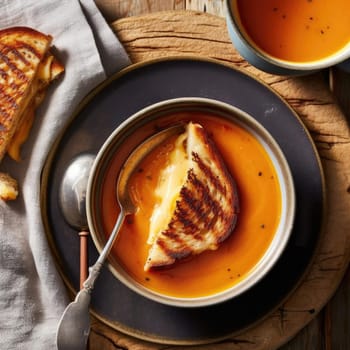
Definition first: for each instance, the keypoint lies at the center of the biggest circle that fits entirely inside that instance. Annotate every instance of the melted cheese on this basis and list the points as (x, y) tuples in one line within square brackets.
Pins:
[(44, 69), (171, 180), (21, 135)]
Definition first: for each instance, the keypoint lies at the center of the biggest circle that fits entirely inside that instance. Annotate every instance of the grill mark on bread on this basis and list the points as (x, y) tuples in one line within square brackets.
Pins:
[(30, 49), (19, 73), (172, 235), (8, 99), (182, 216), (4, 114), (214, 179), (174, 254), (3, 74), (191, 199), (18, 54), (204, 197)]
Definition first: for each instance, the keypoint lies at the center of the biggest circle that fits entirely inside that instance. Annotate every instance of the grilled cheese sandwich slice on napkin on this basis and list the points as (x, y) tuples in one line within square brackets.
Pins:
[(198, 201), (26, 68)]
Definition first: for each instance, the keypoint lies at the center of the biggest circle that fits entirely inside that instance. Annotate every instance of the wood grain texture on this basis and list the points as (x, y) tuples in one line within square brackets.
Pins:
[(184, 33), (214, 7), (340, 85), (113, 9)]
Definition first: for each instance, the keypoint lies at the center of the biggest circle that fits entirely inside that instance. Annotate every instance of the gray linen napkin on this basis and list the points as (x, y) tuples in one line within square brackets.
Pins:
[(32, 295)]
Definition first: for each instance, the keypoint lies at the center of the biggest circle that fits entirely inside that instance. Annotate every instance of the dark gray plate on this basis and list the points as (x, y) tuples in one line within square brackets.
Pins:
[(101, 112)]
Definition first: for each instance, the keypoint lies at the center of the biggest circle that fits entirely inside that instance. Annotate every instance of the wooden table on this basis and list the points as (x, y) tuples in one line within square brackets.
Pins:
[(329, 328)]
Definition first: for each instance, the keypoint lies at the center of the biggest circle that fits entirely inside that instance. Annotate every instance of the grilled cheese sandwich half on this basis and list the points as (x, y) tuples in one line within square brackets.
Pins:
[(198, 203), (49, 69), (26, 69)]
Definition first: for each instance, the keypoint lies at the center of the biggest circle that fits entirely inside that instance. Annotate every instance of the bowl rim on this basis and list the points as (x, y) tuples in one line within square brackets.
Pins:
[(241, 38), (278, 159)]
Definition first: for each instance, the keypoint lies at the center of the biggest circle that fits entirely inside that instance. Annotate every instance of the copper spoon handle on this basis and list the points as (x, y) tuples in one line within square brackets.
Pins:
[(83, 257)]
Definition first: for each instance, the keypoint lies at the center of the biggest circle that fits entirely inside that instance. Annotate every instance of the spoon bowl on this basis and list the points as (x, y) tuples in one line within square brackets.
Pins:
[(72, 200), (72, 192)]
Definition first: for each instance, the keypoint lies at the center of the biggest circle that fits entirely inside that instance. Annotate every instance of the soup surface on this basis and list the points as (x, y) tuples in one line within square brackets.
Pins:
[(296, 30), (211, 271)]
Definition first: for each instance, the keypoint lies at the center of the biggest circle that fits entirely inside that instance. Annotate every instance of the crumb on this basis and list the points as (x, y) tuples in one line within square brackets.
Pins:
[(8, 187)]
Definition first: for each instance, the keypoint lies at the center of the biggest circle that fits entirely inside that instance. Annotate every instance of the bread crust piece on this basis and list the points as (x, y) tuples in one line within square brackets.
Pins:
[(21, 51), (206, 208), (8, 187)]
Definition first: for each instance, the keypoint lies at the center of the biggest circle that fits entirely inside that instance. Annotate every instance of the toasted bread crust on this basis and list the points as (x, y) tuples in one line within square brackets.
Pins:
[(8, 187), (57, 68), (206, 210), (8, 35)]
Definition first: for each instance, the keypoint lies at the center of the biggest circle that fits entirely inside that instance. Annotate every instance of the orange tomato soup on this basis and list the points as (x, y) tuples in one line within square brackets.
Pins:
[(296, 30), (211, 271)]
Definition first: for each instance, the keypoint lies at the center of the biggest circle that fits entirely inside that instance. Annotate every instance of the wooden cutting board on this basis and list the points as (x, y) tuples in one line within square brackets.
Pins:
[(186, 33)]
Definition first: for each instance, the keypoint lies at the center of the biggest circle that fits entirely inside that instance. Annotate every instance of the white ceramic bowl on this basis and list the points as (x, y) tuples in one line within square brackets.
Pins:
[(141, 125)]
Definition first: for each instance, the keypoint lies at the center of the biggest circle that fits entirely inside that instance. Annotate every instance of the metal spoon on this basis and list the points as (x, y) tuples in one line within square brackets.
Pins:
[(74, 326), (72, 196)]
